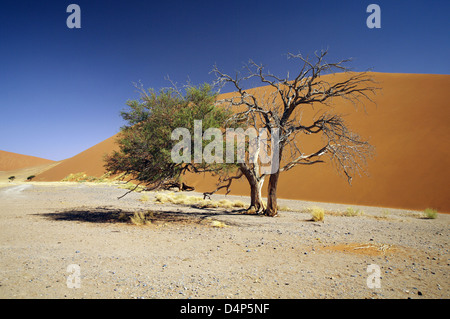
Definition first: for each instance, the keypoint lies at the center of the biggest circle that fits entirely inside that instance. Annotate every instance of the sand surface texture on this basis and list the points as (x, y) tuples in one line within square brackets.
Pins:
[(189, 252)]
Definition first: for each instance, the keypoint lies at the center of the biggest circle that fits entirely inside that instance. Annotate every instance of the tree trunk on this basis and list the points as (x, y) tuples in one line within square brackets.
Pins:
[(256, 202), (271, 209)]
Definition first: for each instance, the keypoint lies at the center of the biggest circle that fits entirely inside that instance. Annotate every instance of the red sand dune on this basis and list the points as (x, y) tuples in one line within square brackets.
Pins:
[(89, 161), (12, 161), (408, 127)]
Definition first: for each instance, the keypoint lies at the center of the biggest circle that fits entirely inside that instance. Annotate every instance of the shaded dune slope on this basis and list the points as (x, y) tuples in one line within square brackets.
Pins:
[(408, 127), (12, 161)]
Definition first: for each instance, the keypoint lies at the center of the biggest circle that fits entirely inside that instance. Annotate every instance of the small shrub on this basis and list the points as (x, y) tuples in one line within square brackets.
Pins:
[(75, 177), (318, 214), (225, 203), (142, 218), (285, 208), (386, 212), (161, 198), (130, 186), (123, 217), (218, 224), (203, 203), (29, 178), (11, 178), (144, 198), (238, 204), (351, 212), (430, 213)]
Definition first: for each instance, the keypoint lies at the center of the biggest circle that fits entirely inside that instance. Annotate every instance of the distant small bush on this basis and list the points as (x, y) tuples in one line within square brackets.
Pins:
[(29, 178), (284, 208), (11, 178), (351, 212), (133, 187), (142, 218), (430, 213), (144, 198), (239, 204), (123, 217), (77, 177), (218, 224), (317, 213)]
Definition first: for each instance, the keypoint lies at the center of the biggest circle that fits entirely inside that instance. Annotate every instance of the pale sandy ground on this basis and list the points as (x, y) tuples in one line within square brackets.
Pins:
[(45, 227)]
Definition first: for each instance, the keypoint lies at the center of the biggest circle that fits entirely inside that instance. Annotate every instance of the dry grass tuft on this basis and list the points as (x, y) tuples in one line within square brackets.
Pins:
[(182, 199), (218, 224), (130, 186), (77, 177), (317, 213), (285, 208), (142, 218), (144, 198), (430, 213), (351, 212)]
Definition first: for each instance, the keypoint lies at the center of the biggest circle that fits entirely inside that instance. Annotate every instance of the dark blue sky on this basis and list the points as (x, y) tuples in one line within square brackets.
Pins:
[(61, 89)]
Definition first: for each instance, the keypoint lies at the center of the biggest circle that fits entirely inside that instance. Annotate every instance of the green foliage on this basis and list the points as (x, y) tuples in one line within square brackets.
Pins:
[(29, 178), (11, 178), (145, 142)]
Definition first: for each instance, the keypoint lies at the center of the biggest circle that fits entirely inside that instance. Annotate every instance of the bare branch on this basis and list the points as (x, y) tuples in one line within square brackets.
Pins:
[(228, 180), (287, 97)]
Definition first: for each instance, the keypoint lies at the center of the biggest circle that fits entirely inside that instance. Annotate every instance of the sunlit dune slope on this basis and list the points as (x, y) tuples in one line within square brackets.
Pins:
[(89, 161), (13, 161), (408, 127)]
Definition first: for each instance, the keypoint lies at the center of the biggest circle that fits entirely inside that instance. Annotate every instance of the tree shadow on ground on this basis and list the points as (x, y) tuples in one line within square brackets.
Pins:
[(117, 215)]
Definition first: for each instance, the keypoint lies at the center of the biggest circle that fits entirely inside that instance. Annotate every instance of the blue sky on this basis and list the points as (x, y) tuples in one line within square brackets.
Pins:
[(61, 89)]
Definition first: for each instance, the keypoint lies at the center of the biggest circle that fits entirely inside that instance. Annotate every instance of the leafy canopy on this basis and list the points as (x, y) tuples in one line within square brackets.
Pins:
[(145, 141)]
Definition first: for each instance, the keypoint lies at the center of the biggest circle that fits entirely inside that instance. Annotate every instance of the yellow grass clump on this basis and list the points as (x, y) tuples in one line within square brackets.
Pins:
[(430, 213), (284, 208), (317, 213), (130, 186), (142, 218), (218, 224), (75, 177), (351, 212), (144, 198)]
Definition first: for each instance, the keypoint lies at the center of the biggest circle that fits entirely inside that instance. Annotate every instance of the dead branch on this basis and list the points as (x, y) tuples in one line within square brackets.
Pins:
[(228, 180)]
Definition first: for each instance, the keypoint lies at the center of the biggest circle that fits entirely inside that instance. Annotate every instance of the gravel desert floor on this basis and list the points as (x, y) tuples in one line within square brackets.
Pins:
[(74, 240)]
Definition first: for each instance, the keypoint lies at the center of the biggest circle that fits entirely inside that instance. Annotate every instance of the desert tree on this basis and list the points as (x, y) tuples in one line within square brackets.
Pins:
[(146, 142), (278, 108)]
